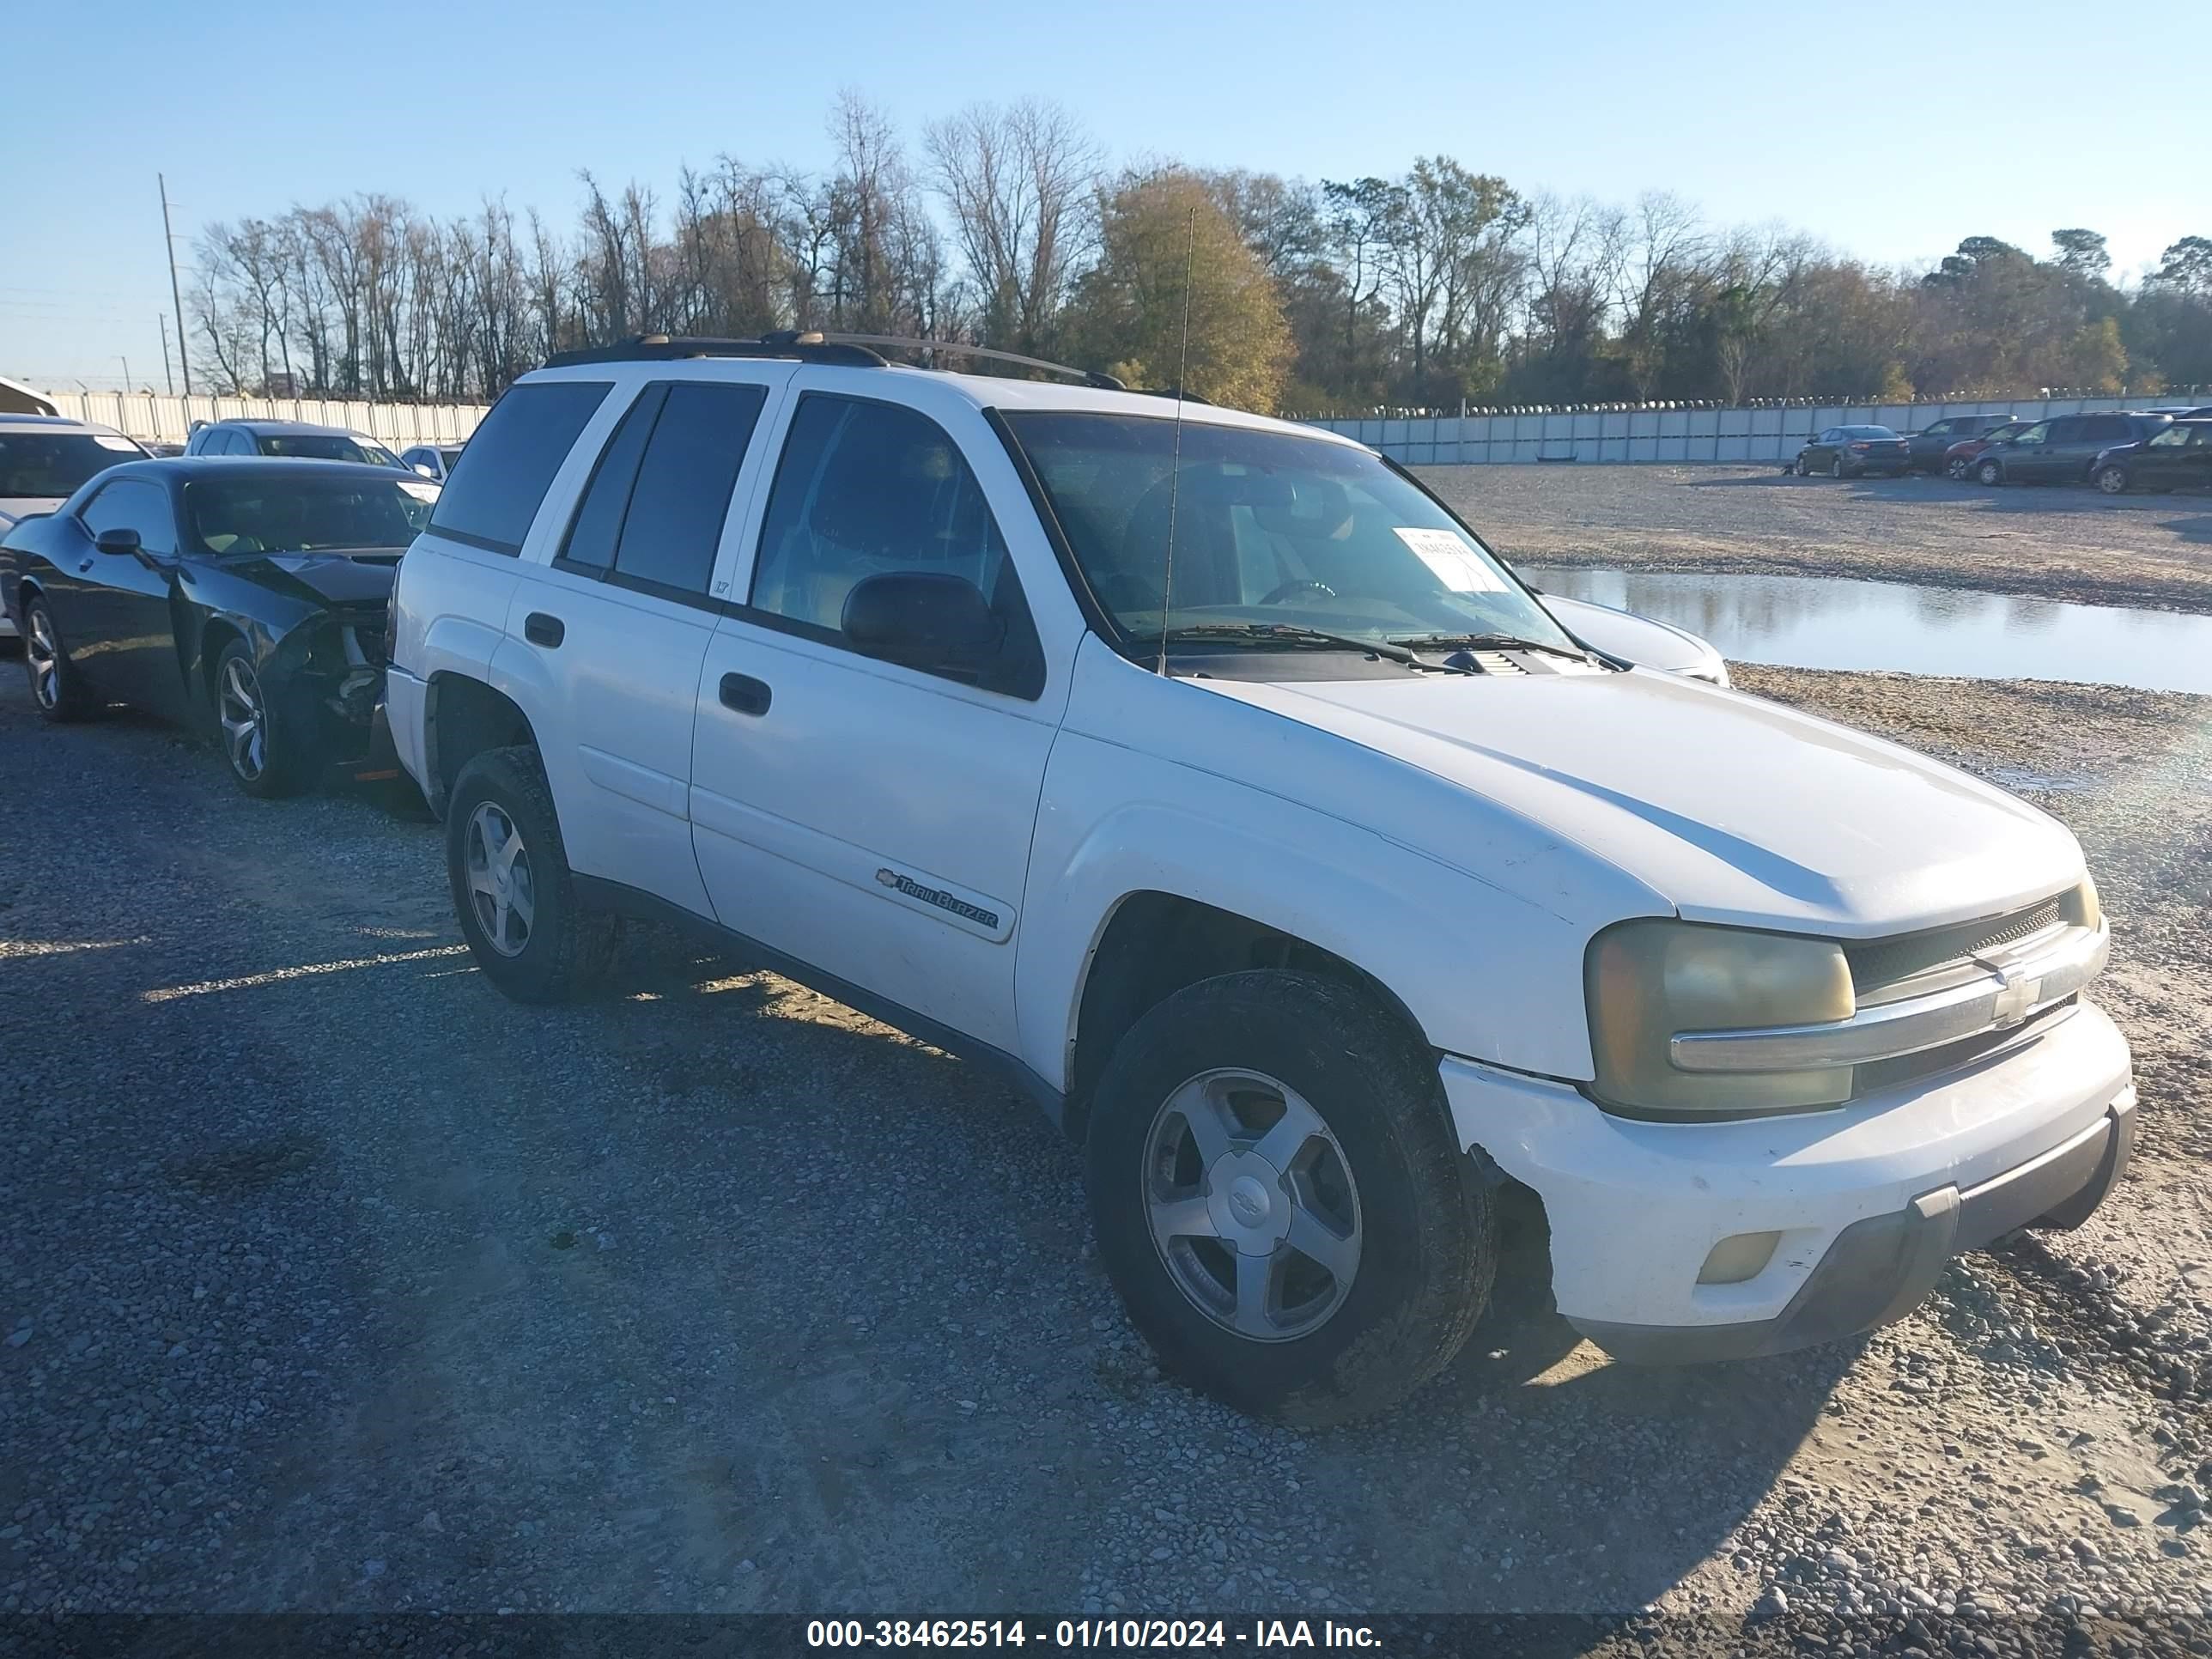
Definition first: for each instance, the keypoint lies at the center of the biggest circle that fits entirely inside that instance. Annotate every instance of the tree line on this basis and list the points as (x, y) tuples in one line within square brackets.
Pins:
[(1006, 226)]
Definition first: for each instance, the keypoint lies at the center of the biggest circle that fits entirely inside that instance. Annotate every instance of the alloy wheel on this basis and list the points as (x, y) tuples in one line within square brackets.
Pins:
[(2112, 480), (501, 887), (1252, 1205), (44, 654), (1990, 473), (1836, 467), (245, 717)]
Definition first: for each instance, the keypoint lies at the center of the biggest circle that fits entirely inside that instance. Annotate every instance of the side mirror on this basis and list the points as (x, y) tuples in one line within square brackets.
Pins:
[(121, 539), (924, 619), (427, 470)]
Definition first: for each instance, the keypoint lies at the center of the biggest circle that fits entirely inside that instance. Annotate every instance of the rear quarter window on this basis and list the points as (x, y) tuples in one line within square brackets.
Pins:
[(501, 479)]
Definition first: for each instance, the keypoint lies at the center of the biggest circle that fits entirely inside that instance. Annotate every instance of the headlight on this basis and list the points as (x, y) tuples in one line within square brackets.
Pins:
[(2082, 906), (1647, 981)]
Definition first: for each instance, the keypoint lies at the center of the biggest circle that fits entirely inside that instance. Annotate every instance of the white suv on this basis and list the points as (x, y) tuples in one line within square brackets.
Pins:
[(1317, 880)]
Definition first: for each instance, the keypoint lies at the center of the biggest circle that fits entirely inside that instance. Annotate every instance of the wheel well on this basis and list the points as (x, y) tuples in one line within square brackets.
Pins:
[(466, 717), (212, 639), (1156, 944)]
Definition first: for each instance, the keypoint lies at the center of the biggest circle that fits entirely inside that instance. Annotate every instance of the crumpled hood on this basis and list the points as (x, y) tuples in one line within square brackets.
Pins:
[(15, 507), (350, 580), (1732, 808)]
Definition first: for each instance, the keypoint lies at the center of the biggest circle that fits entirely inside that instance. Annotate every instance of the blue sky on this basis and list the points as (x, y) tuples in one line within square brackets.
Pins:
[(1745, 110)]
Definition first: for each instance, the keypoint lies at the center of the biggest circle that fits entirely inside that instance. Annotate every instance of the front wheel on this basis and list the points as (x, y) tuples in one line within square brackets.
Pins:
[(1801, 468), (260, 734), (1989, 473), (2112, 480), (1836, 467), (529, 932), (1281, 1201), (1956, 468)]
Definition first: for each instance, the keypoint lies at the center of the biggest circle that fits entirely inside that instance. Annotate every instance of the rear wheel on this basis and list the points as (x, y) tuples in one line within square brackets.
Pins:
[(2112, 480), (530, 933), (1989, 473), (1280, 1201), (56, 687)]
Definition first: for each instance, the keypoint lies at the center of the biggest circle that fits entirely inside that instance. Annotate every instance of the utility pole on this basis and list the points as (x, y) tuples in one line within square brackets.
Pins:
[(163, 320), (176, 297), (125, 362)]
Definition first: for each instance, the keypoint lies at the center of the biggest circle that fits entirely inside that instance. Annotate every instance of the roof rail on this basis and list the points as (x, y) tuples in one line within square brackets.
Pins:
[(784, 343), (1089, 377)]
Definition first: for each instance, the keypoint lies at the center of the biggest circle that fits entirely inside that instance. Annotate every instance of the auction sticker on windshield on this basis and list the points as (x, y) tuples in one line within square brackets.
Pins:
[(1456, 564)]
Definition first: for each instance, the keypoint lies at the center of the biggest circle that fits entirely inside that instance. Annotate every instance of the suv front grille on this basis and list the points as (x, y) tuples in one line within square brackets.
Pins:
[(1880, 966)]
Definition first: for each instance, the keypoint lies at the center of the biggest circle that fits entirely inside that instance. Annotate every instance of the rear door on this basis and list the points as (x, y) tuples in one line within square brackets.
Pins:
[(2024, 457), (870, 819), (618, 623)]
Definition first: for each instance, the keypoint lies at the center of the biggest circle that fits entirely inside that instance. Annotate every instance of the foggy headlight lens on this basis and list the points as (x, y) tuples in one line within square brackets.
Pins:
[(2082, 906), (1646, 981)]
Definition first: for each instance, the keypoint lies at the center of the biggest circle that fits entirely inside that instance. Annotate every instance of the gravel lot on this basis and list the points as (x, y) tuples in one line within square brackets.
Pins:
[(2053, 542), (333, 1281)]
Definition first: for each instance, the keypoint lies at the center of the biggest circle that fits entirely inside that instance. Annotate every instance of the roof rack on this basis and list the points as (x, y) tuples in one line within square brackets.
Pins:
[(1089, 377), (783, 343)]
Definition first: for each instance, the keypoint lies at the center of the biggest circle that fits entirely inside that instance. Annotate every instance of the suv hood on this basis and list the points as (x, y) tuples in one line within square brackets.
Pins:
[(1732, 808), (16, 508)]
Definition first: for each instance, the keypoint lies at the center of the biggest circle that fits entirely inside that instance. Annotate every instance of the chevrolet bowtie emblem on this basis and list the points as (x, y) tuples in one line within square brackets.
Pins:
[(2015, 996)]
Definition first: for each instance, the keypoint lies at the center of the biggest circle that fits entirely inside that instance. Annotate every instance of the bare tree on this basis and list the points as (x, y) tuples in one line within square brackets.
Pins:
[(1017, 182)]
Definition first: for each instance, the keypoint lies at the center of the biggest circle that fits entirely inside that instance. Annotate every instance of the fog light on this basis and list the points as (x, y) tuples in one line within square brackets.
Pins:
[(1738, 1257)]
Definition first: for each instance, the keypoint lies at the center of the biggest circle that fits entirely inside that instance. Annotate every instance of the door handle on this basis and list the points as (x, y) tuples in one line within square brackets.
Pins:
[(86, 566), (541, 629), (744, 694)]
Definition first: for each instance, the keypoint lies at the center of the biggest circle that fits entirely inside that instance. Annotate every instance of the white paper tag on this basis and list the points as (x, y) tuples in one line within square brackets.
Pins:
[(1458, 566)]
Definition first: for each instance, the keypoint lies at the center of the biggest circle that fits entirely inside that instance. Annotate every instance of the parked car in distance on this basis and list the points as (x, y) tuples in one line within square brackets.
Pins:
[(2061, 449), (1959, 458), (1316, 881), (288, 440), (43, 459), (1852, 451), (2179, 457), (2184, 411), (1931, 446), (434, 461), (244, 600)]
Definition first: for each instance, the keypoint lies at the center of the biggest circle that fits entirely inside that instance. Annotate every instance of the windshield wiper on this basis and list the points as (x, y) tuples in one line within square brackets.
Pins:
[(1285, 634), (1488, 642)]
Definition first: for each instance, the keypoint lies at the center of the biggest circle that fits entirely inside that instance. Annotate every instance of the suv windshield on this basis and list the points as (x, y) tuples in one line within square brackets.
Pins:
[(263, 515), (325, 446), (56, 463), (1269, 530)]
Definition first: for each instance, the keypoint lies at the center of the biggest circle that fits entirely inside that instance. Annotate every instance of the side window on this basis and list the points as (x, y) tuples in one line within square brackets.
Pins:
[(501, 482), (589, 546), (135, 504), (2034, 435), (1940, 430), (684, 478), (863, 489), (2068, 431)]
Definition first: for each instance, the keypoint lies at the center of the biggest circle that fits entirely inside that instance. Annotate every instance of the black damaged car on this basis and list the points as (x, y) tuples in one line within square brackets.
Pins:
[(243, 598)]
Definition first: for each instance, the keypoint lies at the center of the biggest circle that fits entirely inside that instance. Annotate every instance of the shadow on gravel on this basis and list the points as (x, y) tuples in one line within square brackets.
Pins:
[(2191, 530)]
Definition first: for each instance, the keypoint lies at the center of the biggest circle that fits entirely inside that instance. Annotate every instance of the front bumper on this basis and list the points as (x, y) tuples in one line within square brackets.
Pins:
[(1870, 1200)]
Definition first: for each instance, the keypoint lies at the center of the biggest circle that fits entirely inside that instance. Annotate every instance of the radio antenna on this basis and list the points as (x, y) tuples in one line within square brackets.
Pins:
[(1175, 465)]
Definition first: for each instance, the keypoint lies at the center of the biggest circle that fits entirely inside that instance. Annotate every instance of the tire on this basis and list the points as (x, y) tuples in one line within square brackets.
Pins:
[(1378, 1181), (58, 689), (532, 936), (2112, 480), (1836, 467), (1957, 469), (262, 733), (1801, 468), (1989, 472)]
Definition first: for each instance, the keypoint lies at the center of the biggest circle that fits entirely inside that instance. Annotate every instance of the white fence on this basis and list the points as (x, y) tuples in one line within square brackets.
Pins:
[(1673, 434), (155, 419)]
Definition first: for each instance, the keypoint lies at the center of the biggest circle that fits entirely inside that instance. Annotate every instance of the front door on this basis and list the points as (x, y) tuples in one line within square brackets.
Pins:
[(870, 819), (619, 624), (115, 617)]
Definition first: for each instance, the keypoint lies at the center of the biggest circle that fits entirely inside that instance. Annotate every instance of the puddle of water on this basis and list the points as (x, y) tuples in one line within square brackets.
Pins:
[(1811, 622)]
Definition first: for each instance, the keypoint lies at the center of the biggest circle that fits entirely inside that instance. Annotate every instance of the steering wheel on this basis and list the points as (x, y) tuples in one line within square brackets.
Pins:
[(1292, 589)]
